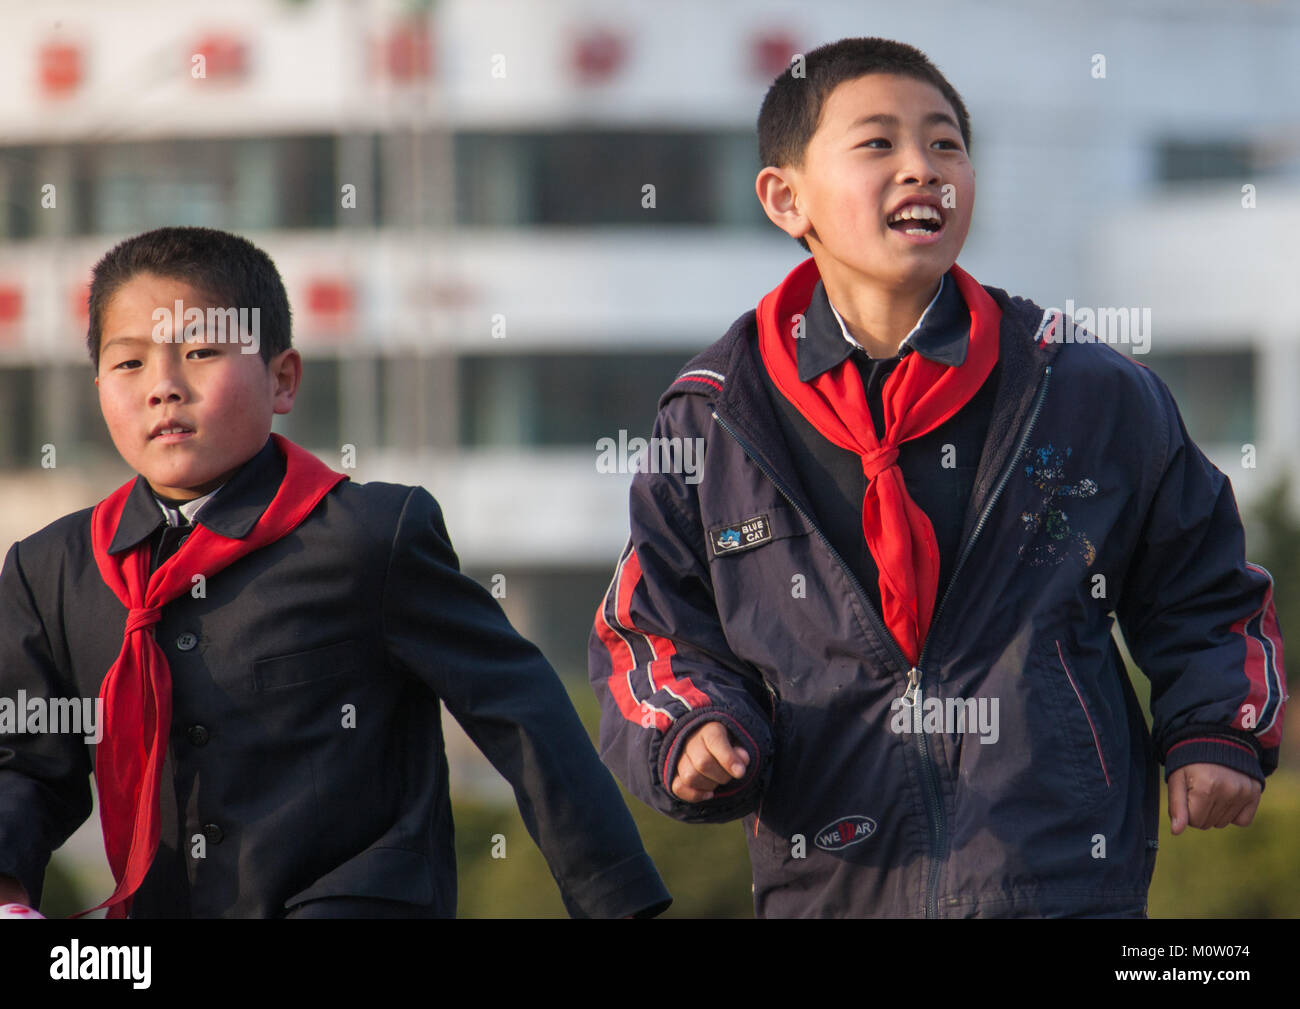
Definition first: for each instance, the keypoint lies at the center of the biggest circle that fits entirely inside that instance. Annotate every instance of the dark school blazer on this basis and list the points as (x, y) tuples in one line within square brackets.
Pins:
[(306, 756)]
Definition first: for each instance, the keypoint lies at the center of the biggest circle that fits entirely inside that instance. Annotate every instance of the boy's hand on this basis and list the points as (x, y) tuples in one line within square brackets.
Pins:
[(1211, 795), (708, 761)]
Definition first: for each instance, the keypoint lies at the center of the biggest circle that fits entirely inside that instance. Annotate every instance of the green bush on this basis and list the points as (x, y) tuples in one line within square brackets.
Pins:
[(1235, 872), (706, 868)]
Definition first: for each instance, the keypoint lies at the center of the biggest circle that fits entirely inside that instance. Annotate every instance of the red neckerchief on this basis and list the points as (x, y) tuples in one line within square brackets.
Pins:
[(137, 691), (918, 396)]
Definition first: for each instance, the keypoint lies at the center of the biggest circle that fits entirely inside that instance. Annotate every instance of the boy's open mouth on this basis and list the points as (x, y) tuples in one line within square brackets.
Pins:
[(916, 219), (170, 431)]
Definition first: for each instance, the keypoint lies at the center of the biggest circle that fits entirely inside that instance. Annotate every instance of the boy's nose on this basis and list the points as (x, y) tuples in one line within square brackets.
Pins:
[(918, 176), (167, 386), (917, 168)]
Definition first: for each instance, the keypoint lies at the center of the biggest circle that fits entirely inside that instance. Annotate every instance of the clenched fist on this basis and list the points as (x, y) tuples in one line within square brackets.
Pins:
[(1210, 795), (708, 761)]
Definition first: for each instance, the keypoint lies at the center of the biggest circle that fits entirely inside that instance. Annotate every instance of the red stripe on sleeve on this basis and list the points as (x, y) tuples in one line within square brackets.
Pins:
[(1210, 739), (661, 671), (1263, 675), (622, 659)]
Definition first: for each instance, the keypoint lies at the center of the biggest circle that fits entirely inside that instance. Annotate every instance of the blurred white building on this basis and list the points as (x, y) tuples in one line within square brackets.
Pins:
[(456, 198)]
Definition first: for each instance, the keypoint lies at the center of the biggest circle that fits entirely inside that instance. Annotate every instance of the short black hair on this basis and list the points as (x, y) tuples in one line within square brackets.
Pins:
[(226, 269), (792, 108)]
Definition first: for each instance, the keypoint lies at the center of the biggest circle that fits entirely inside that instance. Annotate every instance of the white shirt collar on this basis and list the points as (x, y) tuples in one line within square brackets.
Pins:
[(189, 509), (919, 322)]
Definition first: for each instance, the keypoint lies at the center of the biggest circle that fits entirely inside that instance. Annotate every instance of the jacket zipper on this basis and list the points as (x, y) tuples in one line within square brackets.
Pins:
[(934, 808), (932, 783)]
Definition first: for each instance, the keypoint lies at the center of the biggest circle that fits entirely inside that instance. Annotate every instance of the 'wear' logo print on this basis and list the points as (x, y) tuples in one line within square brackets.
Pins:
[(844, 832), (1046, 471)]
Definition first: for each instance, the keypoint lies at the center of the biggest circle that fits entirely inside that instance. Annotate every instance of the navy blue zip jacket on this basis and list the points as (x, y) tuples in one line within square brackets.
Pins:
[(1022, 779)]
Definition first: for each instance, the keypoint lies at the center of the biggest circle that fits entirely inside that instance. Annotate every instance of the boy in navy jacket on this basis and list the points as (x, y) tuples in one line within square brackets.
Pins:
[(876, 623), (270, 643)]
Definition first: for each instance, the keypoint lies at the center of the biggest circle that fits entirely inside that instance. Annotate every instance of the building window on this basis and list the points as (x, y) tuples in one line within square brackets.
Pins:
[(1190, 160), (592, 179), (18, 448), (562, 399), (314, 421), (1215, 392), (553, 609), (20, 193), (239, 184)]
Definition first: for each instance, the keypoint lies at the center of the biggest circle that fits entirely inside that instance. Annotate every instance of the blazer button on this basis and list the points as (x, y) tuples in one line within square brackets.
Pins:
[(198, 735), (186, 641), (213, 833)]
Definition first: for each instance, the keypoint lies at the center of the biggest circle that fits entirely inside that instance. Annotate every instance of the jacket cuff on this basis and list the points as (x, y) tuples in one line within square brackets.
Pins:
[(630, 889), (726, 804), (1211, 747)]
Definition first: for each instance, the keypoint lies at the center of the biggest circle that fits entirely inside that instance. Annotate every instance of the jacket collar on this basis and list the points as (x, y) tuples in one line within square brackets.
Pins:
[(942, 334), (232, 512), (727, 373)]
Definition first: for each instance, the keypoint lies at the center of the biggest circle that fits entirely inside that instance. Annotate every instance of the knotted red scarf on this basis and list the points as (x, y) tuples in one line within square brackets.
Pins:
[(137, 691), (918, 396)]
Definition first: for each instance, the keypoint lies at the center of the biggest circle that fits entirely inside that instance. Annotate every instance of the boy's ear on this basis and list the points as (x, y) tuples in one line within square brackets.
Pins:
[(286, 371), (777, 190)]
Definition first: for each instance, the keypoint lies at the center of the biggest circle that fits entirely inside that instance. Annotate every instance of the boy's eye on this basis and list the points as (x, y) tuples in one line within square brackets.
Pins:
[(204, 351), (126, 364), (881, 140)]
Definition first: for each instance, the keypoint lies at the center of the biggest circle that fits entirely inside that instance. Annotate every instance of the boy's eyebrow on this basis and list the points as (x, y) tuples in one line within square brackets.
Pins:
[(125, 339), (885, 119)]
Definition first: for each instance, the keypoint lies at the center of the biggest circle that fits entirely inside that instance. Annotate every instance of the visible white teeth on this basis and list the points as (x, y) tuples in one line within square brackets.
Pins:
[(916, 212)]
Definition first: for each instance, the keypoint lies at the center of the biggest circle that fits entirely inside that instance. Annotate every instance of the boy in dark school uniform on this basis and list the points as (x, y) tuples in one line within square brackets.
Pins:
[(877, 623), (270, 642)]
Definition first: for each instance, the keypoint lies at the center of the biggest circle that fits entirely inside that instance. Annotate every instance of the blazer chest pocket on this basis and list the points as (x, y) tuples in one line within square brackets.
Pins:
[(345, 658)]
